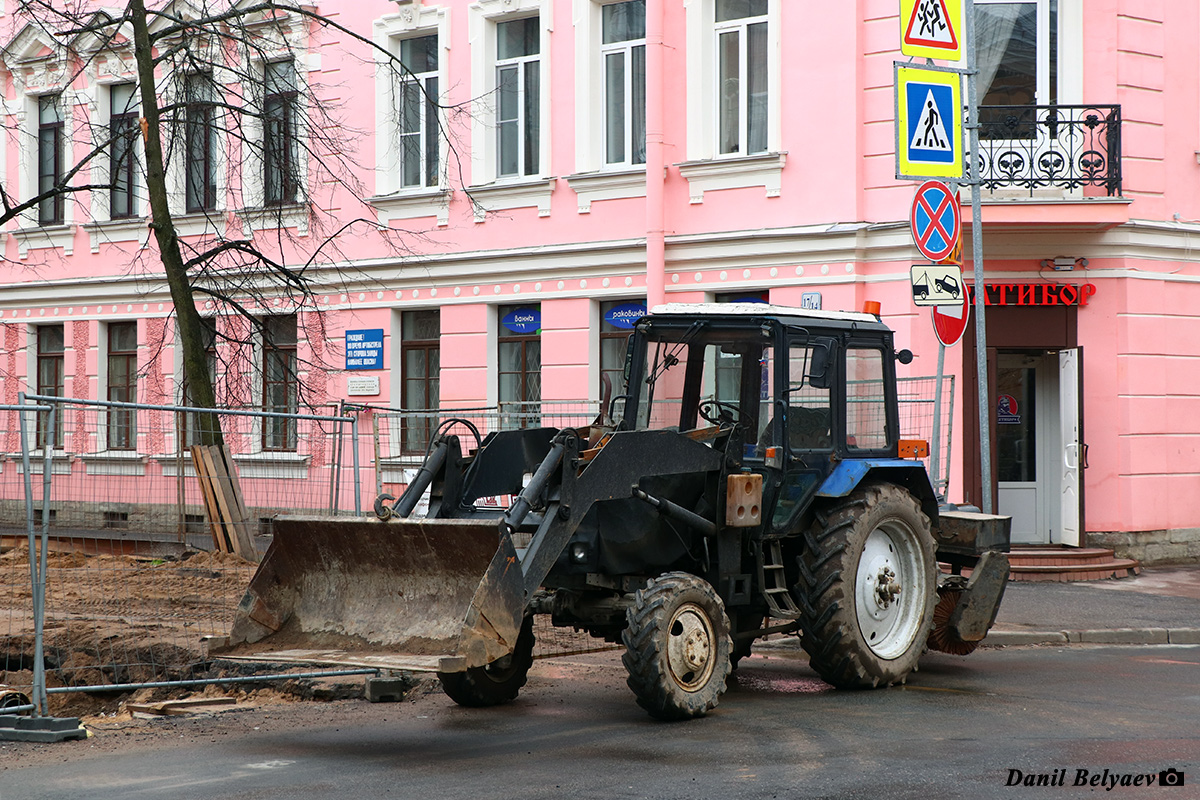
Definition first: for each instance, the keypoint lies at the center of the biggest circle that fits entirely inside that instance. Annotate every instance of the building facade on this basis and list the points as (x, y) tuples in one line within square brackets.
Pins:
[(543, 170)]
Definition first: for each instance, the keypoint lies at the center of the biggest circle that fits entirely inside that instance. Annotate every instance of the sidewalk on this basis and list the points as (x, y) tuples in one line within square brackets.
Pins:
[(1160, 606)]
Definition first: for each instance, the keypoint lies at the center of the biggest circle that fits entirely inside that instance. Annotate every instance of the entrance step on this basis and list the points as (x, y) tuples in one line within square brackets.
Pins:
[(1059, 563)]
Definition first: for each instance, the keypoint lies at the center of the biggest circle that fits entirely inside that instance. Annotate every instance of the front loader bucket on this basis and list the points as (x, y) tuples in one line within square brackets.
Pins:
[(428, 595)]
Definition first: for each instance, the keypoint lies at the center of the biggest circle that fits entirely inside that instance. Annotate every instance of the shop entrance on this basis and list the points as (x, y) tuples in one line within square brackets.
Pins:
[(1036, 427)]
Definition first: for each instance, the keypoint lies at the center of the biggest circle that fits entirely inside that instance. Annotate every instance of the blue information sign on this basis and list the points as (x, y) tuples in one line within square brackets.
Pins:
[(364, 349), (625, 315), (523, 320)]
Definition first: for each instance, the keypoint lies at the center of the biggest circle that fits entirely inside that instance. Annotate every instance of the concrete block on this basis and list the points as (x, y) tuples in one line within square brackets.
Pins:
[(1125, 636), (1184, 635), (387, 689)]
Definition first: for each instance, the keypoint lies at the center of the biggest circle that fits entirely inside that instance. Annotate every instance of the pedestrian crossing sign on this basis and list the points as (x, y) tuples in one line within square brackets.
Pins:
[(929, 123), (930, 29)]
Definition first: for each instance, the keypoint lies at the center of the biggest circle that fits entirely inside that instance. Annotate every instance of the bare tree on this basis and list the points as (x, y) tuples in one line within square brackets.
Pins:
[(218, 82)]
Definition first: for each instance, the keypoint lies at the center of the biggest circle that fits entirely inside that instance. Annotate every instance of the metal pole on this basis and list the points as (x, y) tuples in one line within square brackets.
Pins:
[(936, 438), (985, 404), (38, 689), (656, 261), (357, 482), (39, 667)]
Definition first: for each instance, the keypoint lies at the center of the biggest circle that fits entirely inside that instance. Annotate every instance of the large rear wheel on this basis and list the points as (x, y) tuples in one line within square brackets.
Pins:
[(868, 586), (498, 682), (677, 647)]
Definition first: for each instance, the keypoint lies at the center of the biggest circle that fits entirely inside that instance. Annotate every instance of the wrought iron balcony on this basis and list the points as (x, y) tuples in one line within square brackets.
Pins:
[(1051, 147)]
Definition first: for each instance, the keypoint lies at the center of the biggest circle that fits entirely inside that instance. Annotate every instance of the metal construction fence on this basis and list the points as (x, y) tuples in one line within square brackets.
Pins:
[(110, 577)]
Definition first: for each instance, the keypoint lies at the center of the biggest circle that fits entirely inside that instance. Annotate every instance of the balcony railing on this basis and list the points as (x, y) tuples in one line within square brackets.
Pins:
[(1069, 148)]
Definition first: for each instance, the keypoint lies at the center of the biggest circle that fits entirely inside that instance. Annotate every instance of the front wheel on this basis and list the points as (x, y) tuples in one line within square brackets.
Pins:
[(677, 647), (498, 682), (868, 588)]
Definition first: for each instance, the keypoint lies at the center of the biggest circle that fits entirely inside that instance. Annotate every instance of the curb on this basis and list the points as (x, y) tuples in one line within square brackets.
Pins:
[(1017, 638), (1102, 636)]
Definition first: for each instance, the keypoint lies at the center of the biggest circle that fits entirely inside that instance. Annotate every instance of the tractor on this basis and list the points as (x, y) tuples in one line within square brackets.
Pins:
[(749, 479)]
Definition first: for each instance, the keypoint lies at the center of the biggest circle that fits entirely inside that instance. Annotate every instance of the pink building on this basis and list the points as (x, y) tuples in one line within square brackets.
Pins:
[(590, 156)]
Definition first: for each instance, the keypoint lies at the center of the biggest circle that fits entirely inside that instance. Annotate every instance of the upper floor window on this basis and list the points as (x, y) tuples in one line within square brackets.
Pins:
[(122, 384), (280, 178), (200, 143), (50, 158), (518, 79), (417, 109), (742, 93), (623, 48), (123, 132)]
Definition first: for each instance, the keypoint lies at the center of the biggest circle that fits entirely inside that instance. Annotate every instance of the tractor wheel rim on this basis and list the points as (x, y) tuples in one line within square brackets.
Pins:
[(690, 641), (889, 590)]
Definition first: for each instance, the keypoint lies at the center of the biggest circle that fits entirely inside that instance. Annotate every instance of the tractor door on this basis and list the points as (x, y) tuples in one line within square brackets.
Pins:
[(804, 424)]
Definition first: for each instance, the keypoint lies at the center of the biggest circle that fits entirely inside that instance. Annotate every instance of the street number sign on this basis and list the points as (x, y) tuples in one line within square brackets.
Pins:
[(950, 322), (936, 284), (929, 123), (935, 220), (930, 29)]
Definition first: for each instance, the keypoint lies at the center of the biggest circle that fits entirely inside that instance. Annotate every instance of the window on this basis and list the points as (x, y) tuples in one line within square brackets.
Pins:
[(617, 318), (866, 402), (417, 109), (50, 376), (49, 158), (518, 76), (122, 384), (123, 133), (810, 373), (520, 366), (280, 390), (420, 357), (742, 95), (623, 49), (280, 177), (200, 176)]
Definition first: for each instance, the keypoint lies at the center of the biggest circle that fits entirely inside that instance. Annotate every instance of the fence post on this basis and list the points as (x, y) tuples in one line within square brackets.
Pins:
[(37, 561), (357, 482)]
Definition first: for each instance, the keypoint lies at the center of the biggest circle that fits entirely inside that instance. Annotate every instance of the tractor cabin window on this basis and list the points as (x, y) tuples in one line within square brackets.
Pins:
[(866, 402)]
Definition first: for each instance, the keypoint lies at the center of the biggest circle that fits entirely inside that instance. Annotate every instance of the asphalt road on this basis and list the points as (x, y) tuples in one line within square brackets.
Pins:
[(958, 729)]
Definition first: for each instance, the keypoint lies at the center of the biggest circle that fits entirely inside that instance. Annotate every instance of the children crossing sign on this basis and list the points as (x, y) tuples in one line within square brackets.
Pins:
[(929, 29), (929, 123)]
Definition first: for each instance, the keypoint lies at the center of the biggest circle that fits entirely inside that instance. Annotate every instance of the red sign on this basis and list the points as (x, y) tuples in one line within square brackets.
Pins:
[(950, 322), (1034, 294), (935, 220)]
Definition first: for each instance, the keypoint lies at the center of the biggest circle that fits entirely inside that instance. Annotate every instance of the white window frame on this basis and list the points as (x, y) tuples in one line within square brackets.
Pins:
[(488, 191), (1070, 49), (35, 75), (624, 49), (706, 169), (393, 201), (283, 38)]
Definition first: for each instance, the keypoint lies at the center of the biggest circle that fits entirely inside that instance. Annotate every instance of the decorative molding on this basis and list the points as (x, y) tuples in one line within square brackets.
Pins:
[(607, 185), (504, 196), (134, 229), (272, 464), (45, 237), (271, 218), (734, 173), (414, 204), (114, 462)]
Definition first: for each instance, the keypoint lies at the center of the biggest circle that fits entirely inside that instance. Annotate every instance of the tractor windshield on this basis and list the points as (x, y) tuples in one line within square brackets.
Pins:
[(698, 378)]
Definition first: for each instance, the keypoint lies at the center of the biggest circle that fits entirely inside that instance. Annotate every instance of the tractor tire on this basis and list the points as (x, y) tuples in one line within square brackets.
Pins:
[(498, 682), (868, 587), (677, 647)]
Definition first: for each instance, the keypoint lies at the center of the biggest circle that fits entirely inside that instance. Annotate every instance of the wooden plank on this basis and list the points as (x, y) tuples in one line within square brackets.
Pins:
[(224, 494), (244, 540), (219, 504), (211, 509), (176, 708)]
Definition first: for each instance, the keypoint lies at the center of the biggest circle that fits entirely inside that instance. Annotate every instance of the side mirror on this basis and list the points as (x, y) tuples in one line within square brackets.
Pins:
[(904, 356), (818, 368)]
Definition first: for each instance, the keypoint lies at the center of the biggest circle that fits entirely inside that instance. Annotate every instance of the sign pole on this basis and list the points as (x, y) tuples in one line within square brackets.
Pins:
[(936, 448), (985, 404)]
